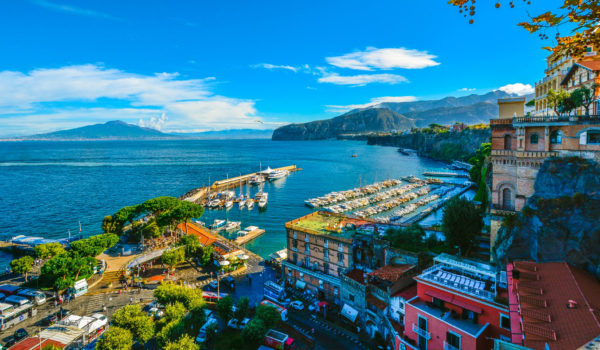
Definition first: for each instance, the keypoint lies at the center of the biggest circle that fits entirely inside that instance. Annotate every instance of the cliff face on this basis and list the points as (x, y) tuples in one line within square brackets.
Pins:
[(561, 221), (447, 146), (365, 120)]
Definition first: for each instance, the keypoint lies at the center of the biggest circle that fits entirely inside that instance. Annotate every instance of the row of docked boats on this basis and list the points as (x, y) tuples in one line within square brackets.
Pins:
[(373, 199), (344, 196), (268, 174), (226, 200), (386, 206)]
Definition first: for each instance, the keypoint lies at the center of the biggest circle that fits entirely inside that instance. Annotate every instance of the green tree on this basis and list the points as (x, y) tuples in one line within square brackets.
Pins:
[(133, 319), (22, 265), (151, 230), (173, 330), (110, 225), (63, 270), (407, 238), (224, 308), (207, 253), (173, 257), (556, 100), (211, 332), (478, 161), (174, 312), (115, 338), (192, 245), (269, 315), (95, 245), (254, 332), (48, 250), (462, 224), (51, 347), (184, 343), (243, 306), (584, 97), (169, 293)]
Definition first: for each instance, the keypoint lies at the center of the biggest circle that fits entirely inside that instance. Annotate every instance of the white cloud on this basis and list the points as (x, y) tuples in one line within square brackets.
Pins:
[(73, 10), (518, 88), (467, 89), (361, 79), (374, 102), (45, 100), (390, 58), (276, 66)]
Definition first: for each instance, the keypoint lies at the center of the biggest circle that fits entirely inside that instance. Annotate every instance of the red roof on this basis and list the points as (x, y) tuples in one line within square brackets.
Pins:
[(391, 272), (378, 303), (452, 299), (545, 291), (206, 238), (32, 343), (407, 293), (592, 64), (356, 275)]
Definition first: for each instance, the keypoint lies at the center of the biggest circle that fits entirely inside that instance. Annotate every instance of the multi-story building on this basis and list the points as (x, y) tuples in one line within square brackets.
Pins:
[(460, 304), (556, 68), (584, 73), (319, 251), (553, 306)]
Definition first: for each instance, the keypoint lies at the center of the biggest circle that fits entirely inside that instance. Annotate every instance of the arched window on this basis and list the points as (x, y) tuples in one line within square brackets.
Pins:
[(507, 141), (533, 139), (507, 202), (556, 136)]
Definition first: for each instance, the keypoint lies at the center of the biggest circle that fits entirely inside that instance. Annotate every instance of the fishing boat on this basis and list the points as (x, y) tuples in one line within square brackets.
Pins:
[(217, 224), (278, 174), (232, 225), (262, 202), (257, 179), (214, 203), (353, 156), (201, 223)]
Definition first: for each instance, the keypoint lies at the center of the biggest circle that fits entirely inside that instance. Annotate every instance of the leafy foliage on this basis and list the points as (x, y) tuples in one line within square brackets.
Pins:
[(133, 319), (169, 293), (412, 238), (269, 315), (173, 257), (22, 265), (192, 246), (173, 330), (579, 17), (254, 332), (224, 308), (185, 342), (462, 223), (115, 338), (94, 245), (63, 270), (48, 250), (243, 306)]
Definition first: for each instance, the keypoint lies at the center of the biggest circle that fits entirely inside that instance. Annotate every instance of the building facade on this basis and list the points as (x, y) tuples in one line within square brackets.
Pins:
[(457, 306)]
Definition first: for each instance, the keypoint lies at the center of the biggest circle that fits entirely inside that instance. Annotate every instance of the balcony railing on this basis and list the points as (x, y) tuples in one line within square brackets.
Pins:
[(524, 154), (505, 121), (421, 332), (556, 118), (448, 346)]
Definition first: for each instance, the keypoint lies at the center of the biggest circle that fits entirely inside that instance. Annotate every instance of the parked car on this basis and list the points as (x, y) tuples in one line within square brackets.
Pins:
[(297, 304), (50, 320), (213, 285), (233, 323), (10, 341), (20, 333), (202, 336), (244, 323), (228, 282), (314, 307)]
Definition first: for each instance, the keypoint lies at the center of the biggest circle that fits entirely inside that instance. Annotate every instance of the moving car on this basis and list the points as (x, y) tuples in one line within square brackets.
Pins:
[(49, 320), (297, 304)]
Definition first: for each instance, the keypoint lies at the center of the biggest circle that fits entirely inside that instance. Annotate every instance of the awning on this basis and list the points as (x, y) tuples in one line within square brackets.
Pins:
[(323, 304), (157, 278), (349, 312), (455, 301), (300, 284)]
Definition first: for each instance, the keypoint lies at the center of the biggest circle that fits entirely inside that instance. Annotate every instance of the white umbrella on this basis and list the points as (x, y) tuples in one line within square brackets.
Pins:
[(244, 257), (224, 263)]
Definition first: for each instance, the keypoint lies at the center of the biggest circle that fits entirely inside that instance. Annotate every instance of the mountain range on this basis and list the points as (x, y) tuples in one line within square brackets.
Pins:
[(119, 130), (387, 116)]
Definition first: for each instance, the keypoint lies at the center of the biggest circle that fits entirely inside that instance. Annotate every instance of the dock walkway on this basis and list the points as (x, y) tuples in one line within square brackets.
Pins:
[(249, 236)]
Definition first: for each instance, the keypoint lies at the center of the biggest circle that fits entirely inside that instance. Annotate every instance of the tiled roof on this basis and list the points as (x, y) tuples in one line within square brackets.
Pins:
[(206, 238), (545, 290), (378, 303), (32, 343), (356, 275), (407, 293), (390, 272), (592, 64)]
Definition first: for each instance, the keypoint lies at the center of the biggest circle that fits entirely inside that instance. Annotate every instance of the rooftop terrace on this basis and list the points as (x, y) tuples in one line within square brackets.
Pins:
[(326, 223)]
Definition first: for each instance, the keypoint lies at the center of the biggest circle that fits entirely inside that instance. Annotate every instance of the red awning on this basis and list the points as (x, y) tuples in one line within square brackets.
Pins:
[(455, 301), (323, 303), (157, 278)]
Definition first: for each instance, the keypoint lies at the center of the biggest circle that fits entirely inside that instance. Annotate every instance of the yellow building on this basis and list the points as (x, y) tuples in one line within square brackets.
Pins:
[(556, 68)]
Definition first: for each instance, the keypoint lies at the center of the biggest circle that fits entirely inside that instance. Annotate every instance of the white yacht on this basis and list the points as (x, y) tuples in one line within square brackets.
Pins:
[(250, 203), (257, 179), (232, 225), (217, 224), (214, 203), (278, 174), (262, 202), (242, 202), (228, 204)]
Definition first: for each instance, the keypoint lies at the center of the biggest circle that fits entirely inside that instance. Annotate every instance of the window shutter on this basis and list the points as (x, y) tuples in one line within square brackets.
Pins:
[(583, 138)]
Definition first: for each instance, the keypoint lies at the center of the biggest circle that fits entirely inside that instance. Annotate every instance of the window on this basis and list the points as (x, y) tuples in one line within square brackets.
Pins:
[(341, 258), (438, 303), (307, 261), (325, 254), (326, 268), (295, 258), (469, 315), (533, 139), (507, 142), (306, 238), (556, 136), (507, 202), (316, 265), (593, 137), (351, 297), (307, 248), (325, 243), (453, 340), (505, 322), (295, 243)]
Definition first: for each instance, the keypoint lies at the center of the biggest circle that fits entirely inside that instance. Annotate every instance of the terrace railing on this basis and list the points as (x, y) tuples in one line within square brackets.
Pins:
[(556, 118), (423, 333)]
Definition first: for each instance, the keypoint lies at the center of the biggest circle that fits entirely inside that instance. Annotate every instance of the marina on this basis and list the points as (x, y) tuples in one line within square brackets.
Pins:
[(248, 234)]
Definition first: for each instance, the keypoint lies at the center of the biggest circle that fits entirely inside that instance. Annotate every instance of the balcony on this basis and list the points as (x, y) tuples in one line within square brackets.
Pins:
[(550, 119), (504, 121), (421, 332), (447, 346), (524, 154)]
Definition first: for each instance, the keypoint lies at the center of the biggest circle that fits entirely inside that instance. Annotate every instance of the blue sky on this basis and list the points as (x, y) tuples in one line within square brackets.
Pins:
[(204, 65)]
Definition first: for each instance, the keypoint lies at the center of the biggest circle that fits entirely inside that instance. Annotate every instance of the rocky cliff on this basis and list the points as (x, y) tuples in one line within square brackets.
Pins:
[(561, 221), (364, 120), (447, 146)]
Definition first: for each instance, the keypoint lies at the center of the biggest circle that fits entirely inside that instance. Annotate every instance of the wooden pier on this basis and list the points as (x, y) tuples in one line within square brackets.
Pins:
[(249, 236), (199, 194)]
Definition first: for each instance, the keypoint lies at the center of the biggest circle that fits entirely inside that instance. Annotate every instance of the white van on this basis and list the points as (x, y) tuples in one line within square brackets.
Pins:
[(201, 338), (34, 296)]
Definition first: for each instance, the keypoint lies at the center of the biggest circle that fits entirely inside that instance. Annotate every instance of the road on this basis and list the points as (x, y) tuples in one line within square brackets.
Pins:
[(325, 336)]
